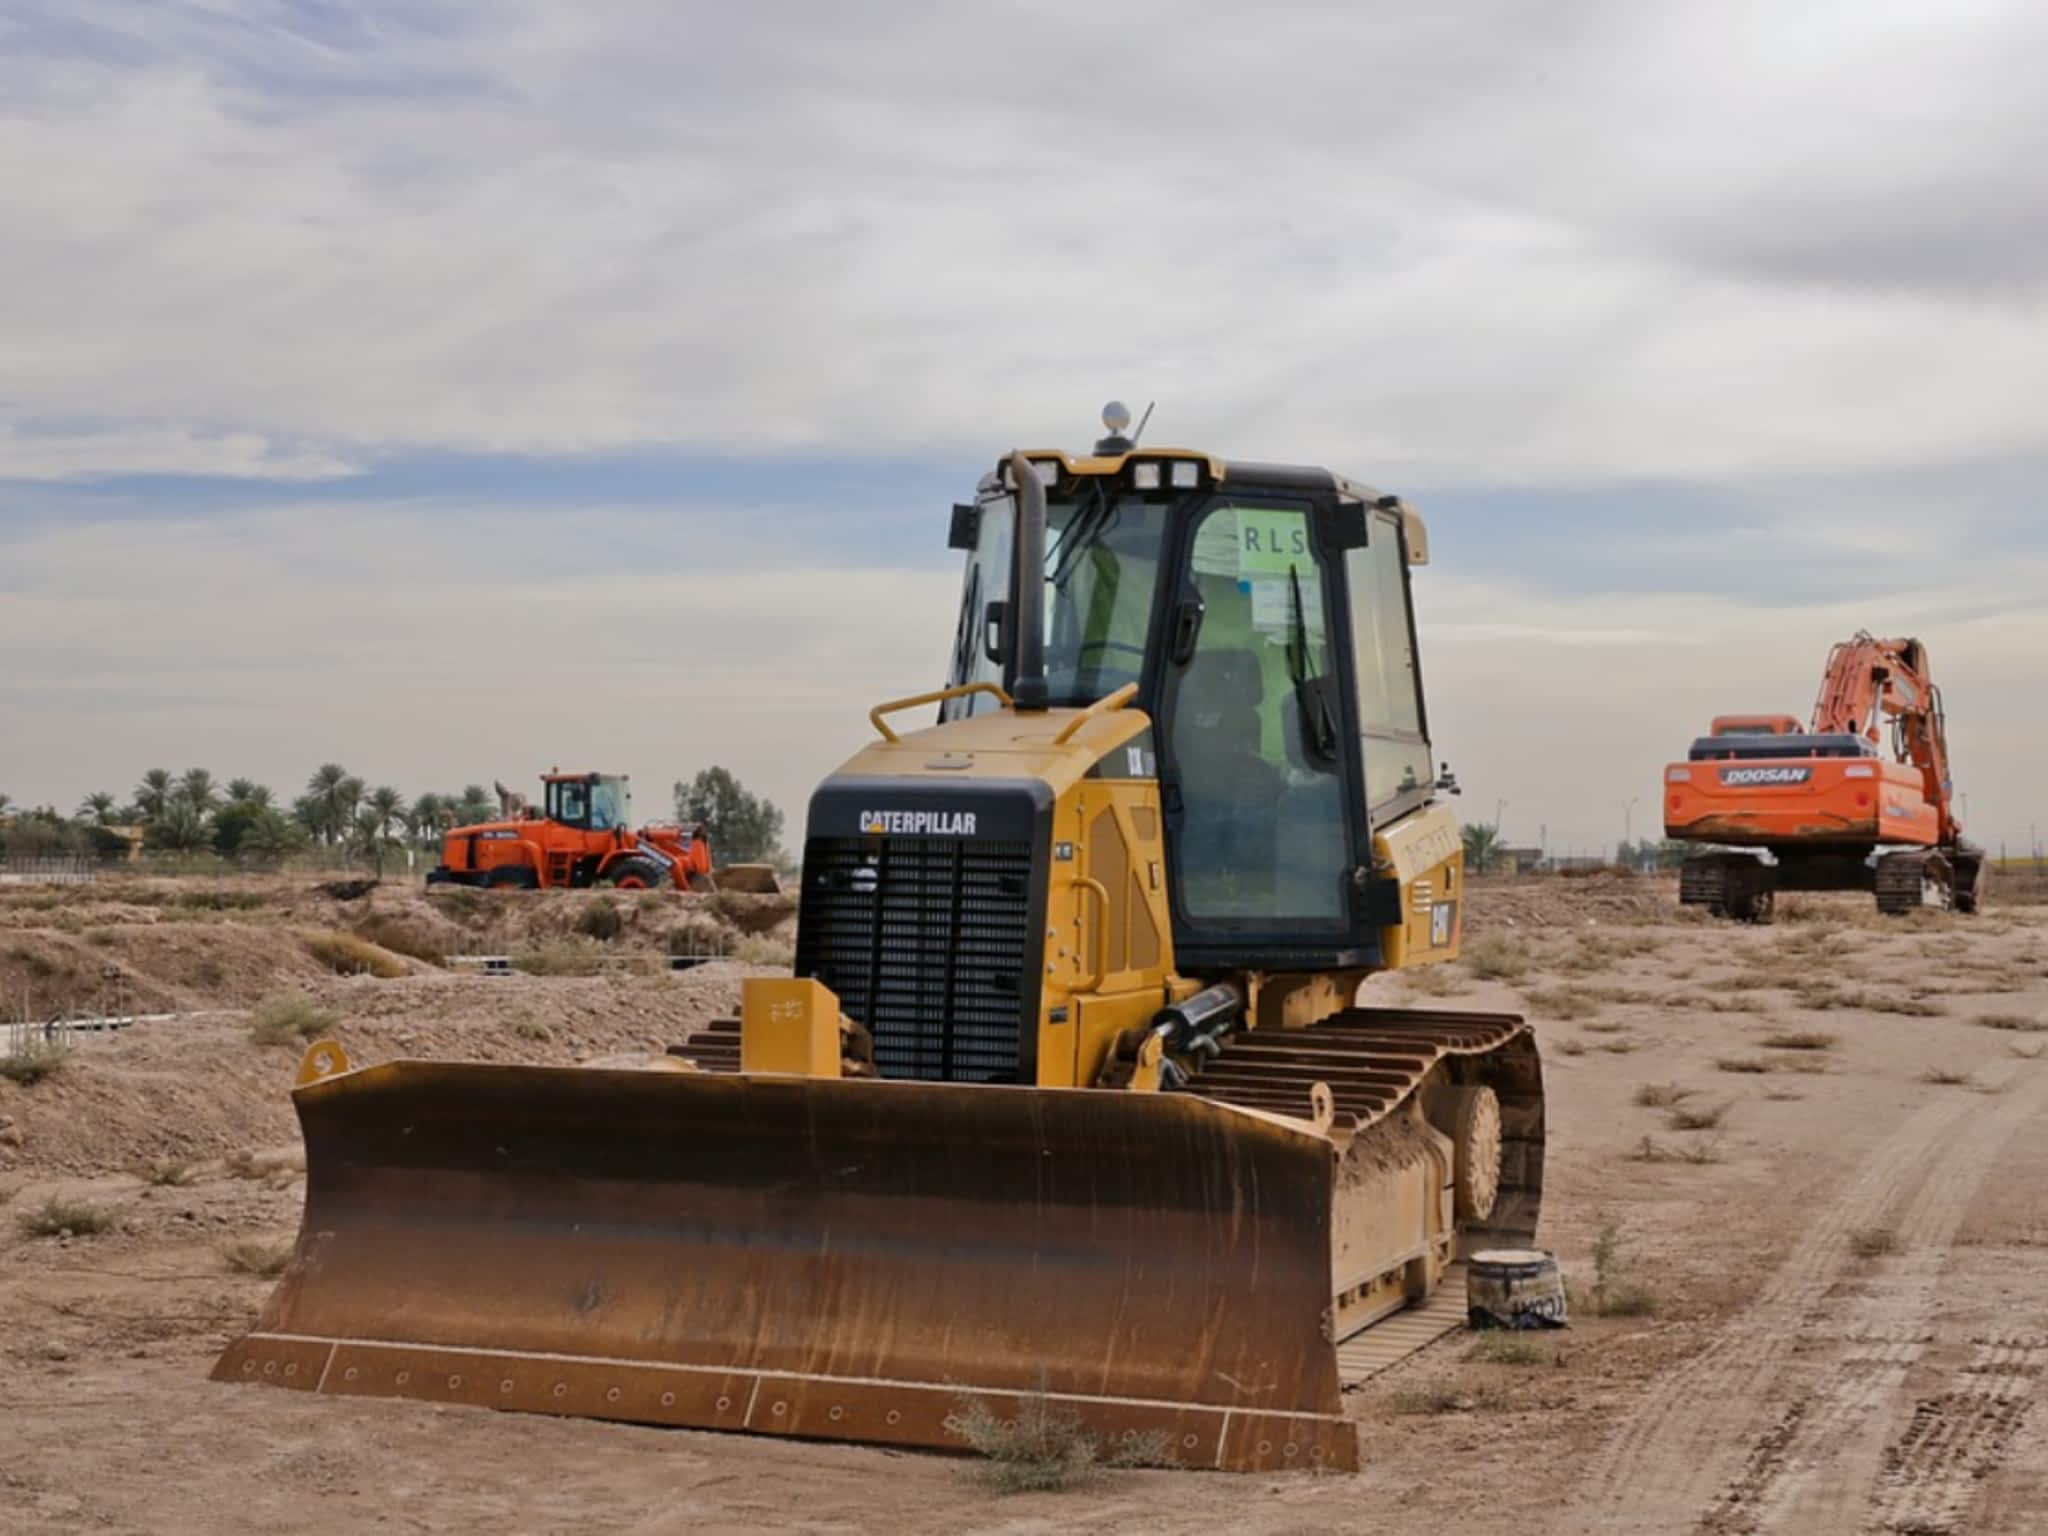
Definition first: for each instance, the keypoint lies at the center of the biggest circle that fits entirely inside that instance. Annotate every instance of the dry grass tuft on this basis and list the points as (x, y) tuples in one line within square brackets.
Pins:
[(561, 957), (1873, 1242), (2022, 1023), (1562, 1003), (1947, 1077), (346, 955), (402, 936), (34, 1062), (1620, 1045), (1661, 1095), (275, 1167), (1744, 1064), (1431, 981), (1434, 1398), (250, 1256), (1783, 1095), (1501, 1346), (1800, 1040), (65, 1218), (1045, 1448), (1497, 957), (1614, 1292), (167, 1173), (1688, 1117), (1571, 1047), (289, 1019)]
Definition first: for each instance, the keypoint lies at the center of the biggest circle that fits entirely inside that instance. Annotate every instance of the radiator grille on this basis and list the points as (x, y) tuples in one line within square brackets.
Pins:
[(925, 940)]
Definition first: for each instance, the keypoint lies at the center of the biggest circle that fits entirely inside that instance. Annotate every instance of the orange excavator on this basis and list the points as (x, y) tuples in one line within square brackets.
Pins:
[(1832, 807), (580, 838)]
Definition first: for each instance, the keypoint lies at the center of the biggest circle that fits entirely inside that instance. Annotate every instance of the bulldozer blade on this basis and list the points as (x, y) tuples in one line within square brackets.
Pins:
[(851, 1259), (751, 879)]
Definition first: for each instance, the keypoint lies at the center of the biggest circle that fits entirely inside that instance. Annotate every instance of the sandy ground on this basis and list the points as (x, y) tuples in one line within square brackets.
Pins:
[(1847, 1276)]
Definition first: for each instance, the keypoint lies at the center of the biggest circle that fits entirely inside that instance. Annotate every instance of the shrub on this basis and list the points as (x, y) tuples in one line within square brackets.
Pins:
[(1564, 1003), (1686, 1117), (560, 957), (166, 1173), (1501, 1346), (276, 1167), (33, 1062), (1497, 957), (289, 1019), (601, 920), (1434, 1397), (60, 1218), (1661, 1095), (755, 950), (1614, 1293), (389, 930), (1800, 1040), (1744, 1064), (346, 955), (1045, 1447), (251, 1256), (2022, 1022)]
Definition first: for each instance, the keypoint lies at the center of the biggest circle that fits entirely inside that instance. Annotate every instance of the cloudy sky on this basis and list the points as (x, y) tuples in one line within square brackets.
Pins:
[(456, 389)]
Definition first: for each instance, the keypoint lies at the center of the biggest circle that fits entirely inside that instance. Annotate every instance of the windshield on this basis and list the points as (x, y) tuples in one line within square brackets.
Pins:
[(609, 805), (1102, 553)]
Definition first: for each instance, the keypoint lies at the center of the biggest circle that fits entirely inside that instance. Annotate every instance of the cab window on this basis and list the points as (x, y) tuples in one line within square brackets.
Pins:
[(1397, 759), (1262, 832)]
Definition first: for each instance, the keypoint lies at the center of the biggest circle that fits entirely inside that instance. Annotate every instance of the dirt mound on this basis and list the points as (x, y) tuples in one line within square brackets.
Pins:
[(1560, 901), (202, 1089)]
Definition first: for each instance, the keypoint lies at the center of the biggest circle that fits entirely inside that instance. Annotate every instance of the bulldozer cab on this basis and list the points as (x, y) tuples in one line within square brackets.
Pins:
[(590, 802), (1263, 614)]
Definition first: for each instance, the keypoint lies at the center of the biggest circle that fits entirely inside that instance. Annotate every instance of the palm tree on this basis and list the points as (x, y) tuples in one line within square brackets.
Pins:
[(325, 800), (475, 806), (248, 792), (1483, 847), (270, 836), (197, 789), (153, 793), (350, 800), (423, 822), (5, 801), (98, 808), (387, 805), (181, 827)]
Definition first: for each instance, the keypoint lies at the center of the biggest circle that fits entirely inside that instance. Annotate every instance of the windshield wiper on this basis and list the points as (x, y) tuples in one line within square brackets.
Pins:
[(1082, 533)]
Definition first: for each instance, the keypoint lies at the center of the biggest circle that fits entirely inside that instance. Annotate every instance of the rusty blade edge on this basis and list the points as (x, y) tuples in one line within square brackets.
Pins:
[(769, 1402)]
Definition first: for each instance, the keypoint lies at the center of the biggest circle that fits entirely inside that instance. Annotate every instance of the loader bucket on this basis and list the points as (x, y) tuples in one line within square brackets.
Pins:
[(838, 1259)]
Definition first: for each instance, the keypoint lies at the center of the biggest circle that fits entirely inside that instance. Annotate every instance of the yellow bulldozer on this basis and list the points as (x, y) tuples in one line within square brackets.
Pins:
[(1070, 1103)]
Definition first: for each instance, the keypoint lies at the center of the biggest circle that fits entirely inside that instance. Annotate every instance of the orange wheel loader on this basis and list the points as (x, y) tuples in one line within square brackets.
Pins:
[(1828, 808), (581, 837), (1071, 1102)]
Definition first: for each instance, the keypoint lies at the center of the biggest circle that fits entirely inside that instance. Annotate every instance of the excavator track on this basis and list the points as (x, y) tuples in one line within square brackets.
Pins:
[(1914, 878)]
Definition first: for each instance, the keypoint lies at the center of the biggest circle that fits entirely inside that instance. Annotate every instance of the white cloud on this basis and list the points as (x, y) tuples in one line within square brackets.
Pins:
[(1476, 242)]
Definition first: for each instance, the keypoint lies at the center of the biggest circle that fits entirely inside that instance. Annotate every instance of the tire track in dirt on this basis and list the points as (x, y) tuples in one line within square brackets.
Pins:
[(1720, 1423), (1955, 1440), (1822, 1487)]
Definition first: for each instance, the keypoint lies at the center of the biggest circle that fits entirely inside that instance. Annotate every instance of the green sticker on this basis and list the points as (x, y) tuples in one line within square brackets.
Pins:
[(1271, 543)]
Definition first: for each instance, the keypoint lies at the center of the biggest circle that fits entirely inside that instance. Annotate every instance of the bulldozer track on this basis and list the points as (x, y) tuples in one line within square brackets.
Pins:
[(1781, 1422)]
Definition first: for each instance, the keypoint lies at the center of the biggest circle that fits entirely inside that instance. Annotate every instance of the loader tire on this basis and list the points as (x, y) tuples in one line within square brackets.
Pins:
[(512, 877), (636, 874)]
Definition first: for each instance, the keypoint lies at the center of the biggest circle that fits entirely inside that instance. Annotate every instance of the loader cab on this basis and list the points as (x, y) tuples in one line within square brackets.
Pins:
[(1264, 613), (590, 802)]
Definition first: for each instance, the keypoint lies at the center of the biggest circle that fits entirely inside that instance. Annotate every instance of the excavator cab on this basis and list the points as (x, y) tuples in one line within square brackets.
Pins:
[(1071, 1102)]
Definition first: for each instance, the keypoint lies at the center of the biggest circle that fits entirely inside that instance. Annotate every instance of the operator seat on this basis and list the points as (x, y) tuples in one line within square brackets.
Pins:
[(1228, 787)]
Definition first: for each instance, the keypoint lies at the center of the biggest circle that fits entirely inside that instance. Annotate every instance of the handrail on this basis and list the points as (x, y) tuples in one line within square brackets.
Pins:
[(1101, 931), (958, 691), (1109, 703)]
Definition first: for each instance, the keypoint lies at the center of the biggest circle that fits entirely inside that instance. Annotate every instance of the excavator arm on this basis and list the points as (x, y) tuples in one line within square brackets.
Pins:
[(1868, 679)]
